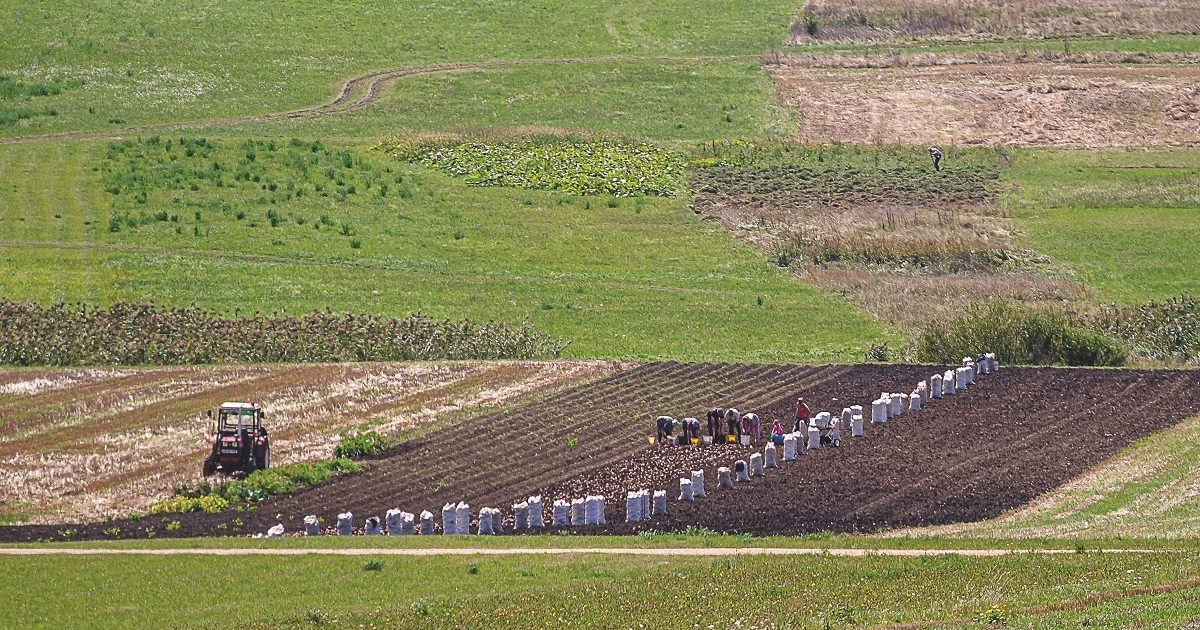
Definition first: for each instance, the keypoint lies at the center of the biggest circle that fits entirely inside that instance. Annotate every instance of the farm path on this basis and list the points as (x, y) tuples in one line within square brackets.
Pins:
[(543, 551), (373, 82)]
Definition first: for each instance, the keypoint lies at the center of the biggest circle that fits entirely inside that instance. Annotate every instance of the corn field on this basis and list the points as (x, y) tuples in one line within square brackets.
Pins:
[(145, 334)]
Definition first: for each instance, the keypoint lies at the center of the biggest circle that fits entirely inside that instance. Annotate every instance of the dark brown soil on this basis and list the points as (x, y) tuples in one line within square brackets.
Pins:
[(1012, 436)]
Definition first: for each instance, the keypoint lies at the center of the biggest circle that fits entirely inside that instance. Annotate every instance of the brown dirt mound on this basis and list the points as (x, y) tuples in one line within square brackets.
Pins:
[(1011, 437)]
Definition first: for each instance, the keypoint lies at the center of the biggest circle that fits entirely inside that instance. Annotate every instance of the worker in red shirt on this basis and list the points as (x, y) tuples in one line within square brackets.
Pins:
[(802, 415)]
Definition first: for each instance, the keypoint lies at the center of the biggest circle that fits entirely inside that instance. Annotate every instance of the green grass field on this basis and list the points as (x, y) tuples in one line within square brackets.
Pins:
[(1124, 222), (588, 591), (161, 62), (635, 277)]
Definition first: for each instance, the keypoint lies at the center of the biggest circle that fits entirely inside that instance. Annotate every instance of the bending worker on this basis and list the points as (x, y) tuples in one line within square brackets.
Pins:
[(733, 421), (691, 430), (666, 425), (715, 417), (802, 415), (752, 426)]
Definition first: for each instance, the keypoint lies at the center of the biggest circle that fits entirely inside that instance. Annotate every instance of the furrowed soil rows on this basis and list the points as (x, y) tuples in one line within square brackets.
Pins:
[(79, 444), (1012, 436)]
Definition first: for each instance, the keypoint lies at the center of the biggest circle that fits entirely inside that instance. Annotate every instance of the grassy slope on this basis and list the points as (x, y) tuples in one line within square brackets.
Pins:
[(645, 278), (159, 61), (1125, 223), (588, 591)]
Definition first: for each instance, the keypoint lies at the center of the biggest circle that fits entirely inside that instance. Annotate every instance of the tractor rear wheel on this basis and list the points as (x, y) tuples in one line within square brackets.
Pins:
[(210, 466), (265, 462)]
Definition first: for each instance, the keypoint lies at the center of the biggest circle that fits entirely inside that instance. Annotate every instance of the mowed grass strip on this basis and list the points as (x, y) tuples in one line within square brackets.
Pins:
[(569, 592), (640, 277), (1125, 223)]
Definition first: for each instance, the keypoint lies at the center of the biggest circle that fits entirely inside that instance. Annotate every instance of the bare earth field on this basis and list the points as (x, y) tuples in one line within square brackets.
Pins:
[(1010, 438), (76, 445), (1018, 104)]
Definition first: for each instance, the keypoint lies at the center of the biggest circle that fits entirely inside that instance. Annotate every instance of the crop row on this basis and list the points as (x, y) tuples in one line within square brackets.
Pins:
[(138, 334), (862, 185)]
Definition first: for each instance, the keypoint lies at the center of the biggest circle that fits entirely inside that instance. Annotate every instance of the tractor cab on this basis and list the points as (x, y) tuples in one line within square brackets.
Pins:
[(240, 443)]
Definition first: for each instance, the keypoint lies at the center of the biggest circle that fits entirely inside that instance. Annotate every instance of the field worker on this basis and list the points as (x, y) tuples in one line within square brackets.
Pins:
[(937, 158), (691, 430), (752, 426), (666, 425), (733, 420), (777, 428), (802, 414), (715, 417)]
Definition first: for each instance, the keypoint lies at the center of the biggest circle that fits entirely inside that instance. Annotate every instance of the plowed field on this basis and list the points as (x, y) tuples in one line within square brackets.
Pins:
[(78, 444), (1011, 437)]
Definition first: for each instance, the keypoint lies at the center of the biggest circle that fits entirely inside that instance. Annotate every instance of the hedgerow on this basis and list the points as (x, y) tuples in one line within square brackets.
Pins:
[(145, 334), (1160, 331), (600, 167), (1018, 335)]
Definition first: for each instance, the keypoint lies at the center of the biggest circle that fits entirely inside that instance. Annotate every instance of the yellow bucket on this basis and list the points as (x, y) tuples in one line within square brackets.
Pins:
[(695, 441), (650, 438)]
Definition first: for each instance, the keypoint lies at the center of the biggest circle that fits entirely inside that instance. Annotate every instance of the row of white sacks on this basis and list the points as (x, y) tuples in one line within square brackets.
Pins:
[(953, 381), (456, 519)]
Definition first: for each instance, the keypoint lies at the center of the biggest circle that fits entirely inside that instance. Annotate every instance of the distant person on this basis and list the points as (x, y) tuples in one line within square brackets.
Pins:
[(802, 415), (752, 426), (733, 420), (691, 430), (777, 428), (937, 158), (715, 417), (666, 426)]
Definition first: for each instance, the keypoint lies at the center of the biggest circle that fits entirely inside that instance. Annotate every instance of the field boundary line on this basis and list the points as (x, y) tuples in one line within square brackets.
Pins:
[(665, 551)]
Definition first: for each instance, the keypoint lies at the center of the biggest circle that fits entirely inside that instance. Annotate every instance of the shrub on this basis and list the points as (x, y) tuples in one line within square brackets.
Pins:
[(366, 444), (1018, 336)]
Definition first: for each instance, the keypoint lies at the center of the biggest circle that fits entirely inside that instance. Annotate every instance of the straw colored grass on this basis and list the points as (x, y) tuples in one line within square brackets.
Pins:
[(880, 20)]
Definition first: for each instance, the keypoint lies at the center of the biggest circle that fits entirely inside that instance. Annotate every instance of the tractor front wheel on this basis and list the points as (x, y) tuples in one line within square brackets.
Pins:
[(210, 466)]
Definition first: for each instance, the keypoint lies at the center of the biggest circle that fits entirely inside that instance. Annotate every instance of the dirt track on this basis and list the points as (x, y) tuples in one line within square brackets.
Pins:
[(1011, 437)]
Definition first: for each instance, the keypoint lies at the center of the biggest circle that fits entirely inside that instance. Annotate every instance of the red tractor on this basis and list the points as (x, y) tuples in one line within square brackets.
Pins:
[(240, 443)]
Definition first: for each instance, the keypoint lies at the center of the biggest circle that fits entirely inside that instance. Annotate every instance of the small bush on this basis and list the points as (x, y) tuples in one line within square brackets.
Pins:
[(366, 444), (374, 564), (1017, 335)]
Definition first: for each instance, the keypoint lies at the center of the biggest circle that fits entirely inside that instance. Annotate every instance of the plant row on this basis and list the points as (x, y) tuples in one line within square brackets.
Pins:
[(140, 334), (258, 485), (844, 184)]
